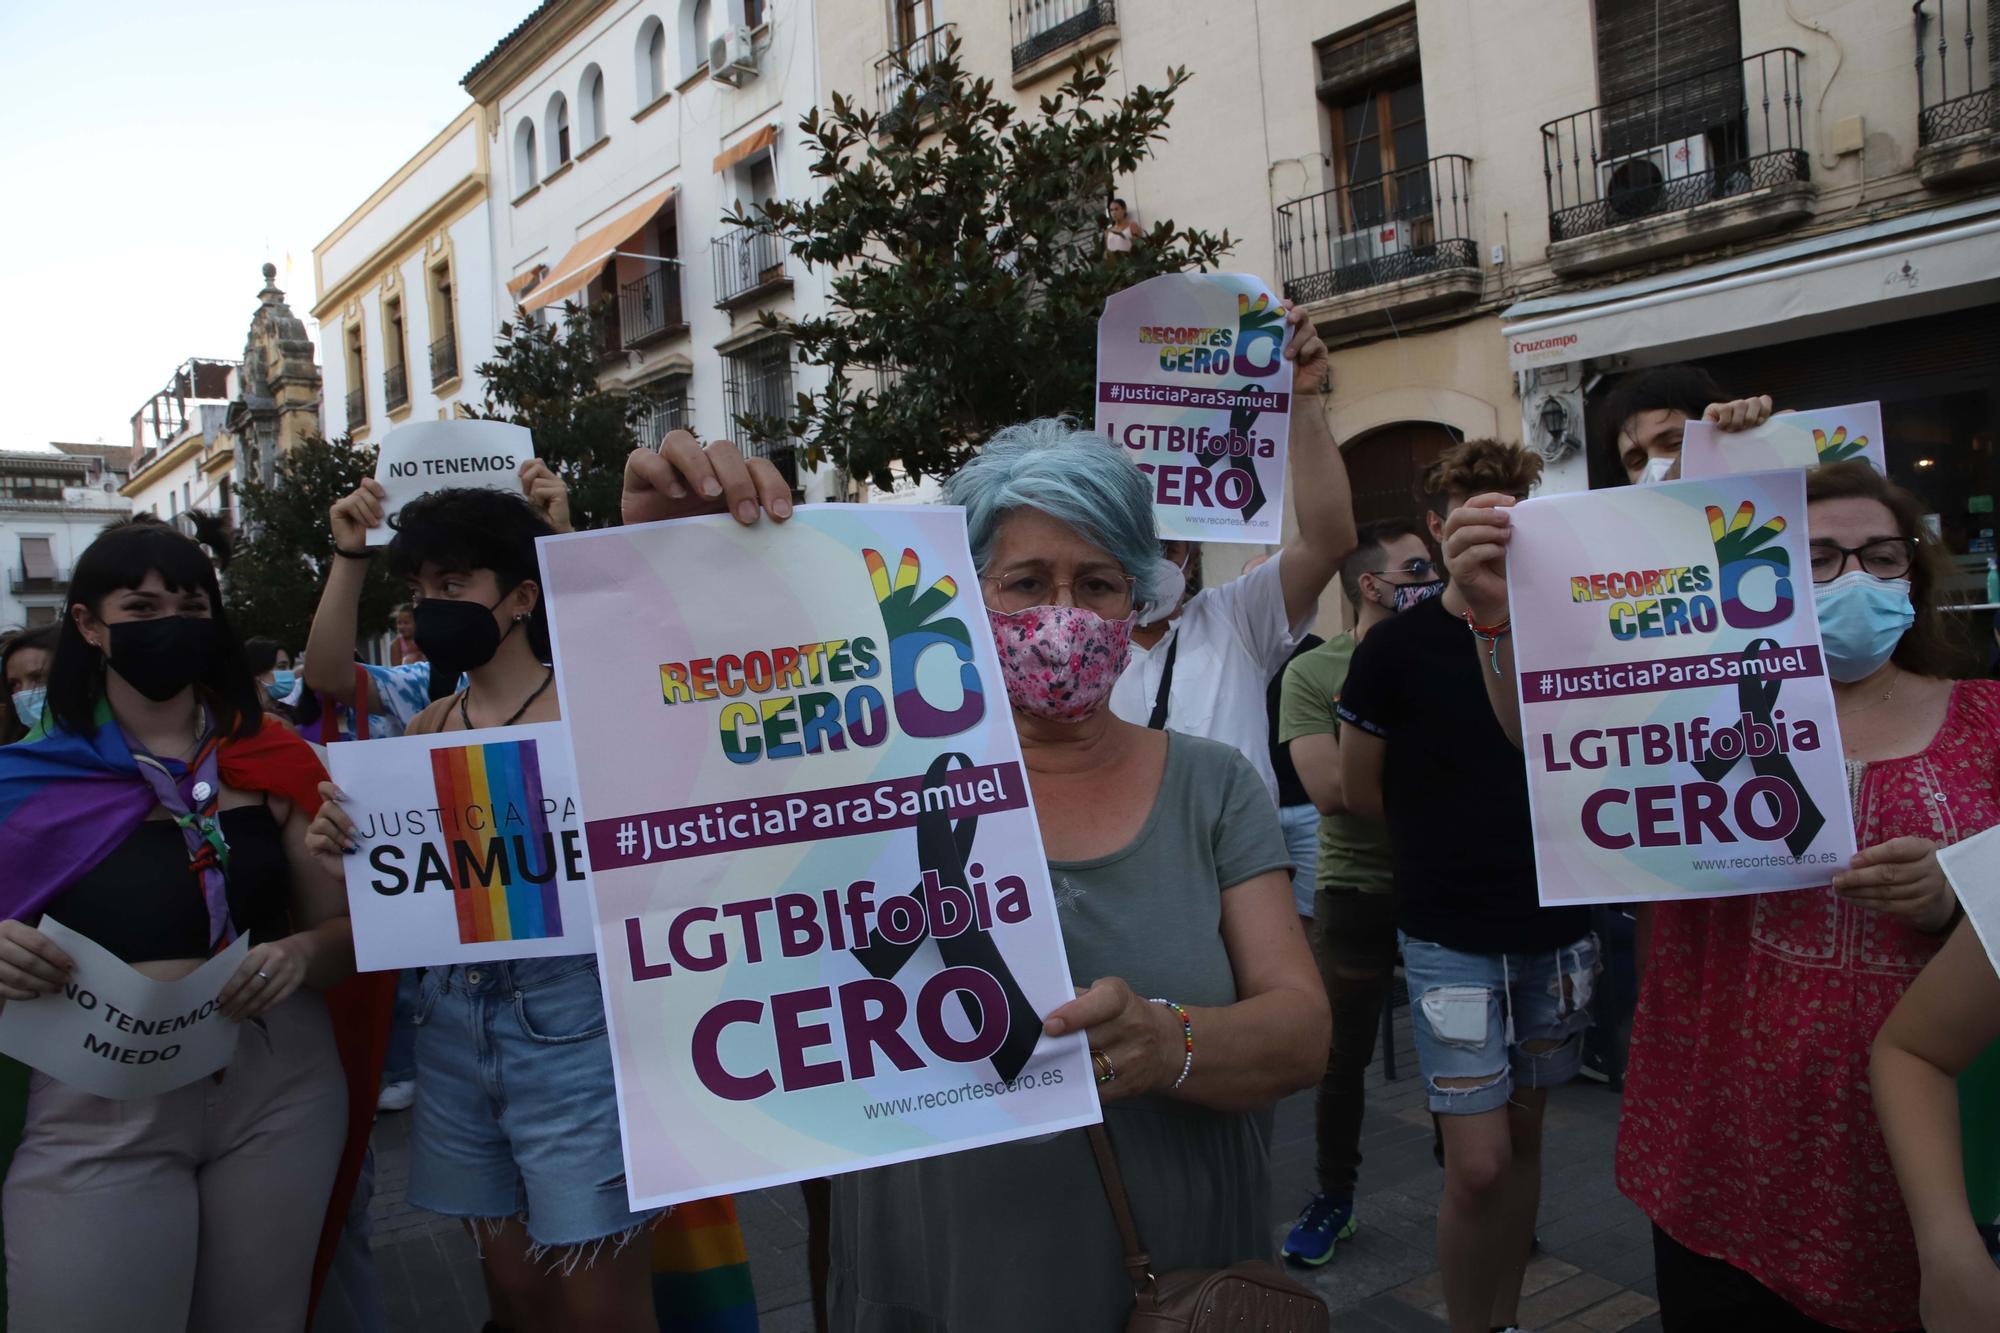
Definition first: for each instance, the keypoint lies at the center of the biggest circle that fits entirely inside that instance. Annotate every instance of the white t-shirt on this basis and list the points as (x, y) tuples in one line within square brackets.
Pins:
[(1233, 640)]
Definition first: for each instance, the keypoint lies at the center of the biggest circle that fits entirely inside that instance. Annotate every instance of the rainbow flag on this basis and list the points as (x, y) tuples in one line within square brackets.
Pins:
[(701, 1272), (491, 802)]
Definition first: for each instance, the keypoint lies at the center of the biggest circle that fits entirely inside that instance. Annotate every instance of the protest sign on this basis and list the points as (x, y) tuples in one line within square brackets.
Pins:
[(470, 848), (1788, 439), (824, 916), (1192, 382), (1675, 707), (112, 1031), (1973, 867), (435, 455)]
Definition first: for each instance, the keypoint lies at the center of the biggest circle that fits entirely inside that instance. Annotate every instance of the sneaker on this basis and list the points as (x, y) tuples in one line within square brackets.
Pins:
[(1325, 1222), (398, 1096)]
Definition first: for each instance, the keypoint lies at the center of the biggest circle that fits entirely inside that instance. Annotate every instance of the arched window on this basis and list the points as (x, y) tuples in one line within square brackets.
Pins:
[(590, 105), (695, 32), (524, 156), (555, 124), (651, 58)]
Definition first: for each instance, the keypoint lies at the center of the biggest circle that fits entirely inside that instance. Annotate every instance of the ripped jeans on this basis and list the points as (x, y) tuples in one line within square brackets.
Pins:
[(1475, 1016), (515, 1112)]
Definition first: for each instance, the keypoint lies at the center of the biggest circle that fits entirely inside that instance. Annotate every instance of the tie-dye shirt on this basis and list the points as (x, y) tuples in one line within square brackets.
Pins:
[(404, 691)]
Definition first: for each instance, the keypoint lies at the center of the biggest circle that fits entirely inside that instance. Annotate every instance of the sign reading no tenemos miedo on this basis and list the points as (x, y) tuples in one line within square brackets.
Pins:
[(824, 916), (440, 455), (1193, 384), (1675, 709), (470, 847)]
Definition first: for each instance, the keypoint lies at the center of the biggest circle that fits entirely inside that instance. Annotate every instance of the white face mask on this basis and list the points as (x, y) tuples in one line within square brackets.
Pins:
[(1656, 470), (1172, 582)]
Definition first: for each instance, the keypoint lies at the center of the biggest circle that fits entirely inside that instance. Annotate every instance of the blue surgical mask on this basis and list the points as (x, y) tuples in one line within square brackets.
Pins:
[(28, 705), (1861, 620), (281, 686)]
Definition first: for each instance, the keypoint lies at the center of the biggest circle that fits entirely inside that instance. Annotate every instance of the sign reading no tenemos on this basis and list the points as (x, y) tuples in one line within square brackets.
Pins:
[(826, 930), (438, 455), (1193, 384), (1675, 710)]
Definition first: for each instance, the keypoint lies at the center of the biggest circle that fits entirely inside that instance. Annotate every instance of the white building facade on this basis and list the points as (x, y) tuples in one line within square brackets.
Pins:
[(406, 291), (179, 462), (53, 503), (621, 132)]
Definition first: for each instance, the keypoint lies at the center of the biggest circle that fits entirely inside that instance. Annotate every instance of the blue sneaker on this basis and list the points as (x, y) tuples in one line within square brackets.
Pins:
[(1325, 1222)]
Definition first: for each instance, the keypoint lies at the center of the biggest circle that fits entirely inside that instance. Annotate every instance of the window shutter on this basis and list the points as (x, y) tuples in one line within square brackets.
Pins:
[(1666, 70), (37, 560)]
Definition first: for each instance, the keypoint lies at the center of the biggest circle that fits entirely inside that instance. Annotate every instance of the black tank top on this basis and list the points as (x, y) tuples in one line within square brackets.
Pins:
[(143, 902)]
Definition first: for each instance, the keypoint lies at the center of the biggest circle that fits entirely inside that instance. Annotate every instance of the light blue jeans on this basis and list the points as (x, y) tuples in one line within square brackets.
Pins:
[(1472, 1016), (1301, 826)]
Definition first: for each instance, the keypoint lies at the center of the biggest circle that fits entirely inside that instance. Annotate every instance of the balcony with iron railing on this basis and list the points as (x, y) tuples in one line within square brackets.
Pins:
[(1396, 244), (444, 359), (757, 392), (396, 387), (902, 70), (1958, 101), (669, 413), (24, 584), (1041, 29), (649, 307), (1688, 165), (749, 263), (357, 409)]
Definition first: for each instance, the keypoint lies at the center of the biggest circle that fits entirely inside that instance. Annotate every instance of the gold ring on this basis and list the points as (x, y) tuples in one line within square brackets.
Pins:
[(1101, 1064)]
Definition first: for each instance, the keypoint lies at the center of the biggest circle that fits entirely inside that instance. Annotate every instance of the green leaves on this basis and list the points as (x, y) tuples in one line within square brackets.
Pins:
[(962, 244)]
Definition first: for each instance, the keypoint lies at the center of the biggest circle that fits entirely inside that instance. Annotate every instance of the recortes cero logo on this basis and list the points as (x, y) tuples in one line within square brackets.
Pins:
[(1255, 348), (1747, 584)]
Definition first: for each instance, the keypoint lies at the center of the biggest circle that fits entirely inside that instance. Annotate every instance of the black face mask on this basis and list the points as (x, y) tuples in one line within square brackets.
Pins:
[(457, 637), (163, 656)]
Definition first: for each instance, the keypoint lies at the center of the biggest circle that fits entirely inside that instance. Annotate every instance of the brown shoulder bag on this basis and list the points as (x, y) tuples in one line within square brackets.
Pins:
[(1250, 1297)]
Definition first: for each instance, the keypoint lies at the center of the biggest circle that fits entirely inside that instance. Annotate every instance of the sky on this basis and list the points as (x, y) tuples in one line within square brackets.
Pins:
[(157, 154)]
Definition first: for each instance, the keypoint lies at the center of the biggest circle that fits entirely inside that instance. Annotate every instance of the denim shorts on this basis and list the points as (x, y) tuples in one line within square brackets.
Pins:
[(1473, 1013), (516, 1115)]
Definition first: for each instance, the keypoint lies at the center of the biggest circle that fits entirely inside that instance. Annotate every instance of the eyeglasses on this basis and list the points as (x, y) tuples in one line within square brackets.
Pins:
[(1416, 567), (1885, 558), (1107, 594)]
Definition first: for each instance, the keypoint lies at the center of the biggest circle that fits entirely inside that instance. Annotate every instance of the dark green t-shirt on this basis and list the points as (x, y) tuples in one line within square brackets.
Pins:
[(1353, 852)]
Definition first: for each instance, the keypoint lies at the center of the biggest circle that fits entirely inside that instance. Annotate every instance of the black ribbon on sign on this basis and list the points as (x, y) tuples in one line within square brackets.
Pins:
[(1241, 417), (1758, 697), (945, 846)]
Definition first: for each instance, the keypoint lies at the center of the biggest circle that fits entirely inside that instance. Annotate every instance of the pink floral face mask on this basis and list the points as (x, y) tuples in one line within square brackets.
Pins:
[(1060, 662)]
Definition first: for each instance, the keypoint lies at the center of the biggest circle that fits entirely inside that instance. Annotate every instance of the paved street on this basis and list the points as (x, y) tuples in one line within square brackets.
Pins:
[(1594, 1274)]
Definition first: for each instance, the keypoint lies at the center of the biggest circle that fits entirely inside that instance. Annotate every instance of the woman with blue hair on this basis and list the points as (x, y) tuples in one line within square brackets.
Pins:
[(1172, 880)]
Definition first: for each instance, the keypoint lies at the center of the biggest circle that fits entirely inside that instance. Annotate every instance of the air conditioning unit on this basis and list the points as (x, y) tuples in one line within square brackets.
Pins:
[(1670, 176), (1369, 244), (732, 58)]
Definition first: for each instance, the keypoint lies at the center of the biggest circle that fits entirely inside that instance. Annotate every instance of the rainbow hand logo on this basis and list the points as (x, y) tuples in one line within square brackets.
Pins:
[(1258, 321), (1738, 553), (1837, 448), (907, 621)]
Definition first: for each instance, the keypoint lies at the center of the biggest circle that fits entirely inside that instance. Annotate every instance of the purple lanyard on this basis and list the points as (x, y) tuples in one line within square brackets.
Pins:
[(194, 810)]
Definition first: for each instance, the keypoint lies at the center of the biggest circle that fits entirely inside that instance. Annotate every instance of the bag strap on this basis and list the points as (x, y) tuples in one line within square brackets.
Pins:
[(1138, 1264), (1158, 721)]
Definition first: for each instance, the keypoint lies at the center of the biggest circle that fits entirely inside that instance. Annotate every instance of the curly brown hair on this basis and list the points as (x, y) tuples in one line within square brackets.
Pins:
[(1925, 647), (1474, 467)]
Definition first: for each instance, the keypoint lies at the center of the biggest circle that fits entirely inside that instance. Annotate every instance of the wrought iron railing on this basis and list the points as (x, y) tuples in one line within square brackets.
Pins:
[(1042, 26), (904, 68), (649, 307), (396, 386), (747, 261), (1402, 224), (444, 358), (1953, 97), (757, 391), (1723, 132), (24, 582), (357, 408), (667, 413)]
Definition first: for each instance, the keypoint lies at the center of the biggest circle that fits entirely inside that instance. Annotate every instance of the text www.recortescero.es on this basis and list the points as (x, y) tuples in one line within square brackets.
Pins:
[(964, 1092)]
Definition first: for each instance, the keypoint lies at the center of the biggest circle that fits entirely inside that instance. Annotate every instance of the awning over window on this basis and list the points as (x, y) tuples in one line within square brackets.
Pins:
[(520, 282), (1904, 268), (587, 258), (37, 560), (749, 147)]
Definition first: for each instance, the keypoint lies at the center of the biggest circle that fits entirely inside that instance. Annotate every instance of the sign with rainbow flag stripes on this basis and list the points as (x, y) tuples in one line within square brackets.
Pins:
[(1675, 707), (824, 917), (1788, 439), (470, 847)]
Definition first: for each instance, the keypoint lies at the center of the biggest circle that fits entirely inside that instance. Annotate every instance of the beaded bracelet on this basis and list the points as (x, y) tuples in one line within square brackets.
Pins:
[(1490, 635), (1187, 1036)]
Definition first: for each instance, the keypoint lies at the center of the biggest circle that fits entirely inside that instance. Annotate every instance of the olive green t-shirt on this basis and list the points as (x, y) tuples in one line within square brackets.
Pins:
[(1353, 852)]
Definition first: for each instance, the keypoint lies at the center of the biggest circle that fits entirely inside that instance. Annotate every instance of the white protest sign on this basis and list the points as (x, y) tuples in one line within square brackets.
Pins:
[(114, 1032), (1788, 439), (1973, 867), (435, 455), (469, 847), (1193, 384)]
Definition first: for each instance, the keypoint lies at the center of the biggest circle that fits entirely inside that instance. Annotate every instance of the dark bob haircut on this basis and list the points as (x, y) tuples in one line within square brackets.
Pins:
[(466, 528), (1925, 647), (121, 557), (261, 655), (40, 639)]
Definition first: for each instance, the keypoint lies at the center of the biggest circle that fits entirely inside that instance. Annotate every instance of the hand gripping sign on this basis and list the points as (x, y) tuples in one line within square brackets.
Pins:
[(1675, 710), (822, 905), (437, 455), (1192, 382)]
